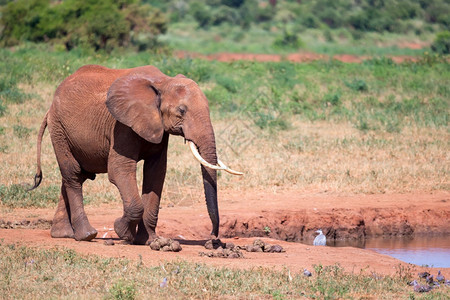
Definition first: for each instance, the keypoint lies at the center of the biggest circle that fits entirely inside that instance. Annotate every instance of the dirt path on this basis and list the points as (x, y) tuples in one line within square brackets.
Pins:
[(288, 214), (293, 57)]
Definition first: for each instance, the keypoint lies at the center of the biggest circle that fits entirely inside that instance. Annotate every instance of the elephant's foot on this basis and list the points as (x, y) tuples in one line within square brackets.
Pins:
[(83, 231), (125, 230), (85, 235), (61, 229), (141, 238), (144, 237)]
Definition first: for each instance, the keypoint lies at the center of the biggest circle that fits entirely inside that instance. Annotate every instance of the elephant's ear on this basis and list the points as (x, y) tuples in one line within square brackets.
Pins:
[(134, 101)]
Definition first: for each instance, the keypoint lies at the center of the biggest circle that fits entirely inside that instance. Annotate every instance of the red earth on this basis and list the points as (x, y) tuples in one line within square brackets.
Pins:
[(290, 217), (293, 57)]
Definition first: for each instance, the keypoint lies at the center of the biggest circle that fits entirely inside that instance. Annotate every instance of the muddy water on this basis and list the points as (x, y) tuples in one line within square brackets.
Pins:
[(432, 251)]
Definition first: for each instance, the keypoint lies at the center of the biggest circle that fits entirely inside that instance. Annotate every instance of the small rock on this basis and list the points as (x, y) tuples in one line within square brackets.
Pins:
[(163, 283), (440, 277), (412, 283), (424, 274), (307, 273), (109, 242), (422, 288)]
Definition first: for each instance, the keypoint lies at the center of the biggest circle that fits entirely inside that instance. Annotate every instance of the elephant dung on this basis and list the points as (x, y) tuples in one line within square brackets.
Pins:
[(275, 249), (259, 246), (165, 244), (233, 252)]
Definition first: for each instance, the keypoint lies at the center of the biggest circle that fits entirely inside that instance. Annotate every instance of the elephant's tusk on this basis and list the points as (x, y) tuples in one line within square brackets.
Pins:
[(228, 169), (201, 159), (221, 165)]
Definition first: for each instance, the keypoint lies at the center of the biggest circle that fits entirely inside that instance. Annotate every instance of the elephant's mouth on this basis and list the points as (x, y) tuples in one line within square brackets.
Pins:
[(221, 165)]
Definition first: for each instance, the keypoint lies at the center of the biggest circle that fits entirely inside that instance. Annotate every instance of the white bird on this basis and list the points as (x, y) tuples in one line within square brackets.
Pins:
[(321, 239)]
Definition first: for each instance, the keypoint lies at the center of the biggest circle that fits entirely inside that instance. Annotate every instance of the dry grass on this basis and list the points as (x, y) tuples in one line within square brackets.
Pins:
[(336, 158), (28, 273)]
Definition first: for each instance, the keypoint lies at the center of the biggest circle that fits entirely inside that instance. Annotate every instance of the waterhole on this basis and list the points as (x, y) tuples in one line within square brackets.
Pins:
[(431, 251)]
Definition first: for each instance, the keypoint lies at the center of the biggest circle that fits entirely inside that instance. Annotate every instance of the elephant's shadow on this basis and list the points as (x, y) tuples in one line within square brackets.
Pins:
[(192, 242), (181, 241)]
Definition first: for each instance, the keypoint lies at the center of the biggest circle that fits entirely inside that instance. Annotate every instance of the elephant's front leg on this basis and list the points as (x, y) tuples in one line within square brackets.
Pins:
[(122, 173), (154, 175)]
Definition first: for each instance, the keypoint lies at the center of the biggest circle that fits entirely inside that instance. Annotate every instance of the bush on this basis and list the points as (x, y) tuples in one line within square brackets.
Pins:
[(201, 14), (441, 44), (103, 24), (358, 85), (288, 40), (123, 290)]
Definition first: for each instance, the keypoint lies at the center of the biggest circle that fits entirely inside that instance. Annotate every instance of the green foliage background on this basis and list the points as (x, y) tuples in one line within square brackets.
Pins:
[(136, 24), (103, 24)]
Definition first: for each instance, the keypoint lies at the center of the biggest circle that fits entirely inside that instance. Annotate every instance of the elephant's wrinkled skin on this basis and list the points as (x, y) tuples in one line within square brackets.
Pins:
[(106, 120)]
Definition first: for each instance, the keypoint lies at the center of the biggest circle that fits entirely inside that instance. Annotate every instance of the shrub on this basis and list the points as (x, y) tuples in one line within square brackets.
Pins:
[(102, 24), (441, 43), (201, 14), (332, 99), (123, 290), (288, 40), (358, 85)]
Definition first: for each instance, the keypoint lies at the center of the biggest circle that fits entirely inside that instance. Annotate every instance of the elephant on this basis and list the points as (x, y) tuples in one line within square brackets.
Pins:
[(106, 120)]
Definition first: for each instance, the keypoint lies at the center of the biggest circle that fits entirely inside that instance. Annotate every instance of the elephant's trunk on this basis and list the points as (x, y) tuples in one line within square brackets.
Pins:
[(207, 149), (210, 187)]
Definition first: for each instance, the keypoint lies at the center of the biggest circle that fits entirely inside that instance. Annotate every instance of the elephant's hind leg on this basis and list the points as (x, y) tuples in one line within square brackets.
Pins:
[(73, 178), (61, 226), (83, 231)]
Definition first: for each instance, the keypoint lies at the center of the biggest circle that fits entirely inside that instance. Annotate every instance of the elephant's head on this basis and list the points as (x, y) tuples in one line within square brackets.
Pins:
[(152, 103)]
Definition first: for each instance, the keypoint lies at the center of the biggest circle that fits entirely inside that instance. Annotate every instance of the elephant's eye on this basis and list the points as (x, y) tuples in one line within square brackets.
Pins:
[(181, 109)]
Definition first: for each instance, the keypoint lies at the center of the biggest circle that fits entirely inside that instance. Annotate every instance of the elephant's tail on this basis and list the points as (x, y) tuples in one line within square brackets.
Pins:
[(38, 176)]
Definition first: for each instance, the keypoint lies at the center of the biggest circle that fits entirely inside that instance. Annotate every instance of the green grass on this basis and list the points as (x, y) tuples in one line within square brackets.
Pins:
[(28, 273), (229, 38), (16, 195)]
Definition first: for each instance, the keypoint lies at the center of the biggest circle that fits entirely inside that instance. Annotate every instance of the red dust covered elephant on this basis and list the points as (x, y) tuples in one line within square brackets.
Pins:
[(106, 120)]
